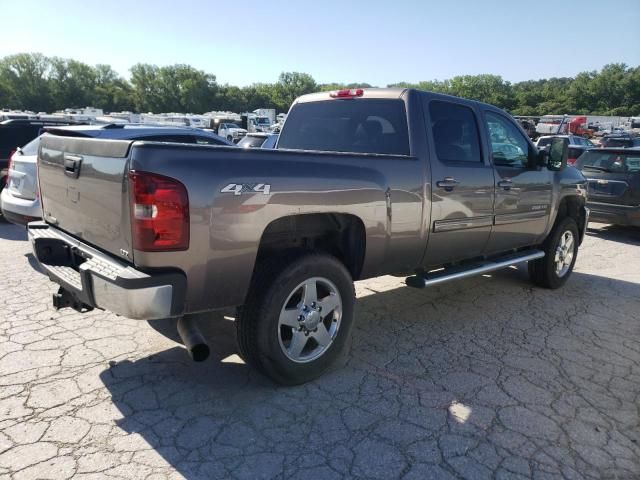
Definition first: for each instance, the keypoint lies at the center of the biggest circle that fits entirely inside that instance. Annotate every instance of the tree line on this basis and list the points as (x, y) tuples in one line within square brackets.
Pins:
[(32, 81)]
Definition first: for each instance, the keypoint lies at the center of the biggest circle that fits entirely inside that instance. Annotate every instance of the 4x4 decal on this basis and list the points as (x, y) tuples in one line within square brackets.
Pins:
[(240, 188)]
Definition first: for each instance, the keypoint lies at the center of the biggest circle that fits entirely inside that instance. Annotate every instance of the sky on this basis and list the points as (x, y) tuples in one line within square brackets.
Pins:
[(378, 42)]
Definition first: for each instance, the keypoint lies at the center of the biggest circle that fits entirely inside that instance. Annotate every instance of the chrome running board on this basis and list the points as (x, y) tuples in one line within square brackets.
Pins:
[(478, 268)]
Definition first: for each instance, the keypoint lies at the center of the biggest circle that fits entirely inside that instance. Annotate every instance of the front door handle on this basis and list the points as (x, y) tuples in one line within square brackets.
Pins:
[(506, 184), (448, 183)]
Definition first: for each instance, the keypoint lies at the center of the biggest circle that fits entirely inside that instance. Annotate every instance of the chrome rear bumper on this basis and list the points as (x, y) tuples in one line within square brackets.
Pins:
[(90, 278)]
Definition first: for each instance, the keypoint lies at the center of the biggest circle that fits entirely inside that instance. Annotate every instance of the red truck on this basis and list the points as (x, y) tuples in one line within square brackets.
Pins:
[(578, 126)]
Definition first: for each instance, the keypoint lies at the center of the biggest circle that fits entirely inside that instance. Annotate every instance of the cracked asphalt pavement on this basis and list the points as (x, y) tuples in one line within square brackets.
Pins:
[(484, 378)]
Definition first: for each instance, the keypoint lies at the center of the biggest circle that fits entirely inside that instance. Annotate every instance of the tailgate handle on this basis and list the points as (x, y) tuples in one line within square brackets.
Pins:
[(72, 165)]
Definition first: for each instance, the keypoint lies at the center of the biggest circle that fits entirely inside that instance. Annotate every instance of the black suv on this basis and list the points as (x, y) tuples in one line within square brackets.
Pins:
[(614, 184), (16, 133), (619, 141)]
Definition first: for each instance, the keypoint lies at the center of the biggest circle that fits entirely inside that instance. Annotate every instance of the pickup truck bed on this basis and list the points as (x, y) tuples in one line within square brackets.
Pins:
[(283, 233)]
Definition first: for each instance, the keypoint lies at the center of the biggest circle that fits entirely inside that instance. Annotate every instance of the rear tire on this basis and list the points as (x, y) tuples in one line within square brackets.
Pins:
[(561, 252), (297, 318)]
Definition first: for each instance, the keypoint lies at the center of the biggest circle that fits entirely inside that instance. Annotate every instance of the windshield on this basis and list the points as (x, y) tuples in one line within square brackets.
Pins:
[(613, 162), (543, 142), (231, 125), (361, 126), (31, 148), (262, 121)]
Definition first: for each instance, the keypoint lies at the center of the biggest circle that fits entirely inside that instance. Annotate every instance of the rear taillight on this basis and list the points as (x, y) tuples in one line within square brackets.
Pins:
[(10, 166), (571, 161), (159, 212), (4, 181)]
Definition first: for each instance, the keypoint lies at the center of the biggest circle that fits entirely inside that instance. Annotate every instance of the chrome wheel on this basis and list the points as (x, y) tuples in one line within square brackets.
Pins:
[(309, 320), (564, 254)]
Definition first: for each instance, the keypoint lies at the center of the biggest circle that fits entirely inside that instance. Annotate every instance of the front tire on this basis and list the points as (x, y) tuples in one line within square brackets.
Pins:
[(561, 252), (297, 318)]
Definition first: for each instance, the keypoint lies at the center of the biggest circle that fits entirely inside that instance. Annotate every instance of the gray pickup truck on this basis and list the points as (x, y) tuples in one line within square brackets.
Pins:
[(363, 183)]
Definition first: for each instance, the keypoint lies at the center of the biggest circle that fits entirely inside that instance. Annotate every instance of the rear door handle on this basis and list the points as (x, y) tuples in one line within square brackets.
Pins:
[(506, 184), (448, 183)]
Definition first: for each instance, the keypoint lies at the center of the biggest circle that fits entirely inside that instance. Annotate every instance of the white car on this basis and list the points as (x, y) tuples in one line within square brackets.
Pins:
[(259, 140), (545, 141), (19, 199), (231, 132)]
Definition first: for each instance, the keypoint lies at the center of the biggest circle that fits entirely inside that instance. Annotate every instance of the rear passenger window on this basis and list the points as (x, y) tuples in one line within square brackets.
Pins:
[(455, 132), (361, 126)]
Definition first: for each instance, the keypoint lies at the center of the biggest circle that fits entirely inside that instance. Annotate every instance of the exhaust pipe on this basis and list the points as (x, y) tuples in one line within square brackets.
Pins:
[(192, 338)]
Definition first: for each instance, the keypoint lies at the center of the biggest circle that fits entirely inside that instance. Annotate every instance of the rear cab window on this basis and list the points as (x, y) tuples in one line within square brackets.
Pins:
[(365, 125)]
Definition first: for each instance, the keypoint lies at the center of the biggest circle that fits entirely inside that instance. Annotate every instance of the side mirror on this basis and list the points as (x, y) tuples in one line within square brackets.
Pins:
[(558, 153)]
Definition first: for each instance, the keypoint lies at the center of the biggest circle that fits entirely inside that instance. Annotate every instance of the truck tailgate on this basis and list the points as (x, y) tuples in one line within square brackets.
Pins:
[(84, 190)]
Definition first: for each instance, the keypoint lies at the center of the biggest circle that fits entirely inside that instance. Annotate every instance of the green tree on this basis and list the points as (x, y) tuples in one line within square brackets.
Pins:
[(71, 83), (146, 93), (35, 82), (230, 98), (327, 87), (174, 88), (24, 82), (112, 92), (290, 86)]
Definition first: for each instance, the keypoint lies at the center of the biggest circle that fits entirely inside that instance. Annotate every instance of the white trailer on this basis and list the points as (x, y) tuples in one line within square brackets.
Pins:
[(270, 113)]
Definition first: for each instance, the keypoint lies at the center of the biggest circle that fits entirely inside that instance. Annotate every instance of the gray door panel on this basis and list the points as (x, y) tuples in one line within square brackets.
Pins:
[(462, 184), (522, 194)]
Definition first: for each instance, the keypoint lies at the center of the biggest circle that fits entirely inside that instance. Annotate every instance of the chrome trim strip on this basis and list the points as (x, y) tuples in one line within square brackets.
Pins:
[(518, 217), (462, 223)]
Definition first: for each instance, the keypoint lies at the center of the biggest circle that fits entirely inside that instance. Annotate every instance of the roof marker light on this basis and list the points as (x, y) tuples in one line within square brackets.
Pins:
[(347, 93)]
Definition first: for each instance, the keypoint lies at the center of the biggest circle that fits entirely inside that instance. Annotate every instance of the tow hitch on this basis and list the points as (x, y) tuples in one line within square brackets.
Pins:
[(65, 299)]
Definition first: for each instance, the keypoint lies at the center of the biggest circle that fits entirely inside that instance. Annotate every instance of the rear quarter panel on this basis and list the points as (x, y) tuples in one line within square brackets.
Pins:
[(385, 192)]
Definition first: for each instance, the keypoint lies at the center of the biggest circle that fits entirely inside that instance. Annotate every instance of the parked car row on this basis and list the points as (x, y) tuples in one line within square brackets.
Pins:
[(19, 200), (577, 145), (17, 132), (613, 193), (613, 173), (620, 140)]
